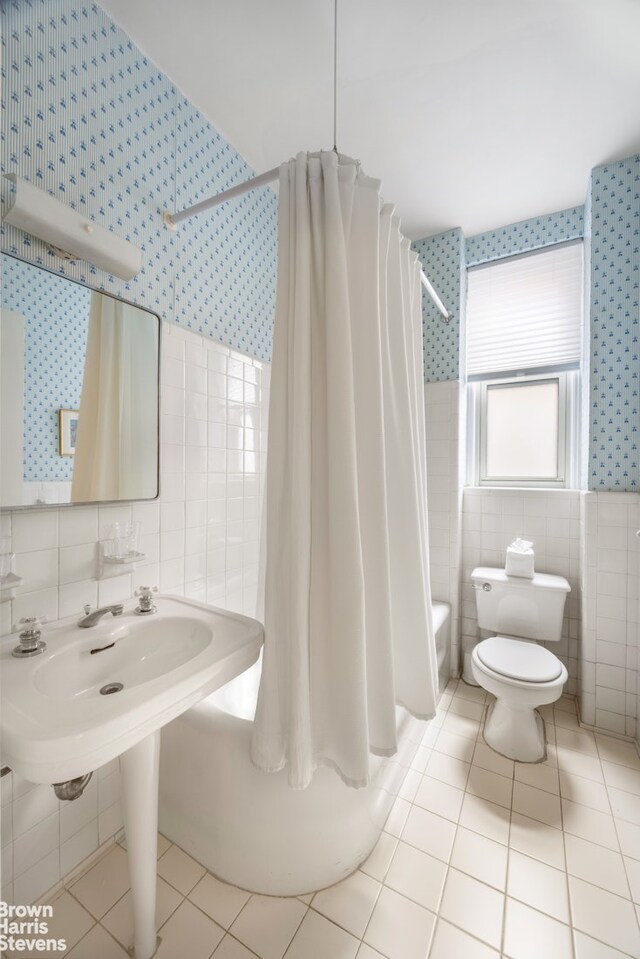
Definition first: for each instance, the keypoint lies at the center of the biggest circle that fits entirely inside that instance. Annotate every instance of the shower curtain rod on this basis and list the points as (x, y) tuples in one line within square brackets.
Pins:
[(172, 220)]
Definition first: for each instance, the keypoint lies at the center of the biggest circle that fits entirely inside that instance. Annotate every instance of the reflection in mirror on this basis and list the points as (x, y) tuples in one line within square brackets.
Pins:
[(79, 392)]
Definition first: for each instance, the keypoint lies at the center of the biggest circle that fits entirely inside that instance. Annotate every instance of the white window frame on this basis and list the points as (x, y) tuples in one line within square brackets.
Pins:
[(477, 445)]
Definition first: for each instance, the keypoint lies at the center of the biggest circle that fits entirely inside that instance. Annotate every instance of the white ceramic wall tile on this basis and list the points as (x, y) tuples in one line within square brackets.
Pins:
[(56, 554)]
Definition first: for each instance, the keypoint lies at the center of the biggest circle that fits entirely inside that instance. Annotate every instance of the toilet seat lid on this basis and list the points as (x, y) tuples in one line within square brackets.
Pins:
[(515, 659)]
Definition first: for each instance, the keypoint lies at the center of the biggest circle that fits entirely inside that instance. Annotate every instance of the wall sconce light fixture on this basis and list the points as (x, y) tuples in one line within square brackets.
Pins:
[(68, 233)]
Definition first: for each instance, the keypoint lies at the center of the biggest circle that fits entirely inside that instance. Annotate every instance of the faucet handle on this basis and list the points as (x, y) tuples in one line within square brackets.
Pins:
[(146, 591), (146, 604), (30, 642)]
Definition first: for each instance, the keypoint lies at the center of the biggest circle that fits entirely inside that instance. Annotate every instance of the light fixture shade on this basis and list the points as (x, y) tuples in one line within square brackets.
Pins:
[(62, 228)]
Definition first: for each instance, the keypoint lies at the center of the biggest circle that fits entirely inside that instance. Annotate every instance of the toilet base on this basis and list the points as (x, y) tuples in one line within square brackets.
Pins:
[(516, 732)]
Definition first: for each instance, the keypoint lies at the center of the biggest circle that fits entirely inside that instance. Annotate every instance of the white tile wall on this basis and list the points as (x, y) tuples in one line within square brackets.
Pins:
[(444, 499), (610, 575), (493, 518), (200, 539)]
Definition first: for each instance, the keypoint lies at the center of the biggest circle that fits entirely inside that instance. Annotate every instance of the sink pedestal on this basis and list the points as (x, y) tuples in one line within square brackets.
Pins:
[(139, 767)]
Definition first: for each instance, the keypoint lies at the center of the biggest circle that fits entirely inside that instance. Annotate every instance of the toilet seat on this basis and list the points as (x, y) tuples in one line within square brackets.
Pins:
[(518, 660)]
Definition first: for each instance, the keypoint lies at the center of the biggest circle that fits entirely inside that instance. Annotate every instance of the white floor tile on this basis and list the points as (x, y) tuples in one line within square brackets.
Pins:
[(541, 775), (410, 785), (617, 751), (633, 874), (538, 885), (578, 764), (462, 706), (119, 920), (589, 824), (577, 739), (349, 903), (98, 944), (460, 747), (474, 907), (188, 927), (219, 900), (70, 920), (604, 916), (399, 928), (452, 943), (624, 805), (537, 804), (486, 818), (366, 952), (584, 791), (439, 798), (588, 948), (230, 948), (537, 840), (317, 938), (430, 833), (622, 777), (397, 817), (530, 934), (461, 725), (629, 836), (267, 925), (602, 867), (101, 887), (448, 769), (482, 858), (180, 870), (490, 786), (378, 862), (421, 759), (417, 875), (489, 759)]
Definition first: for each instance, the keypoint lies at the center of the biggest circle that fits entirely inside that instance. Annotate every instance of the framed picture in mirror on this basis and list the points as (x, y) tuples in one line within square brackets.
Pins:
[(68, 431)]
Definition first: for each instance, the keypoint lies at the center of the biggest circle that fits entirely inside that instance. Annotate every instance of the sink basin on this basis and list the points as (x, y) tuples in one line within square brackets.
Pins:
[(56, 724)]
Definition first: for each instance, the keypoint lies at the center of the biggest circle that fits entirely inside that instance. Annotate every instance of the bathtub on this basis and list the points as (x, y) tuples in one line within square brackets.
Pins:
[(248, 827)]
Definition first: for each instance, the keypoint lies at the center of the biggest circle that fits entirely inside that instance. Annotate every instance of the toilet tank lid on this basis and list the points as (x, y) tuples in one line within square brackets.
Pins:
[(494, 575)]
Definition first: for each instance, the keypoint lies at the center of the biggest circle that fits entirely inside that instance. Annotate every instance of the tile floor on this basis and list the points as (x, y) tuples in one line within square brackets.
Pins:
[(481, 858)]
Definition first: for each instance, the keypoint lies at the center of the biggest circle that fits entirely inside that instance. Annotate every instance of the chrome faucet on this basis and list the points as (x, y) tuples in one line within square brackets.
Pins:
[(91, 618)]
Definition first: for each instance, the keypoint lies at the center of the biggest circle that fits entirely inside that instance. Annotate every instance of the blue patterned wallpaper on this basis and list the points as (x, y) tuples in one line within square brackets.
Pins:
[(442, 258), (615, 325), (56, 317), (525, 236), (89, 119)]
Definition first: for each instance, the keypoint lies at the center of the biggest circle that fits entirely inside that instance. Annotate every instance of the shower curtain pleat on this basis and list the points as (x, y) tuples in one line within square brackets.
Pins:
[(348, 629)]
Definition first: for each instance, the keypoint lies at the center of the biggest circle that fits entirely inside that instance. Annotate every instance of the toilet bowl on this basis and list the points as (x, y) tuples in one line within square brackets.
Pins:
[(511, 665), (522, 676)]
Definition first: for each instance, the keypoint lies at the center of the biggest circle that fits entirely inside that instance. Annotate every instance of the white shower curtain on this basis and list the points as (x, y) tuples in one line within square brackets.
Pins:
[(348, 630), (117, 442)]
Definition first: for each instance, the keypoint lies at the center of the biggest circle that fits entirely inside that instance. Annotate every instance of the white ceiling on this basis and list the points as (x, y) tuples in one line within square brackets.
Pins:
[(473, 113)]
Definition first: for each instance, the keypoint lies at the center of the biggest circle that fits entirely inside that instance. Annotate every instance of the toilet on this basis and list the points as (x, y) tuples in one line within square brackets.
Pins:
[(511, 665)]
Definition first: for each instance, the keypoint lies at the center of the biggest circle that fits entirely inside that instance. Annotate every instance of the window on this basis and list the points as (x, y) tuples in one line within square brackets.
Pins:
[(523, 348)]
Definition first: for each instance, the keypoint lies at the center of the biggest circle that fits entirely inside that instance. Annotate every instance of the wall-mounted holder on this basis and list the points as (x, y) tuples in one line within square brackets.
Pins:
[(9, 580), (120, 549)]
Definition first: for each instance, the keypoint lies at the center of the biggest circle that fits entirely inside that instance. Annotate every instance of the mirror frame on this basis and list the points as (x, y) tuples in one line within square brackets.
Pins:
[(121, 299)]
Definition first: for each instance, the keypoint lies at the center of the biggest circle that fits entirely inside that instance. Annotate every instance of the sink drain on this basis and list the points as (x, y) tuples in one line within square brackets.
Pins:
[(111, 688)]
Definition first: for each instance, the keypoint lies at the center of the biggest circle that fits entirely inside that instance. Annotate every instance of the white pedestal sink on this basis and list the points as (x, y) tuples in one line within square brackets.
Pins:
[(57, 725)]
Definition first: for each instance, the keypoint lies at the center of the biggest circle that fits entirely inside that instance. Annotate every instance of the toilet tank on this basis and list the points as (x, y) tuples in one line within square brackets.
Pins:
[(530, 608)]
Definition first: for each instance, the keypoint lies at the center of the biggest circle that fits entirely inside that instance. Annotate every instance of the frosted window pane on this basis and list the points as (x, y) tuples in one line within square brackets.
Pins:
[(522, 431)]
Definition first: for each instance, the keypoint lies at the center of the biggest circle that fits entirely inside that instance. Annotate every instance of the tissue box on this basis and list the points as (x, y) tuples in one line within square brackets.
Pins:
[(520, 560)]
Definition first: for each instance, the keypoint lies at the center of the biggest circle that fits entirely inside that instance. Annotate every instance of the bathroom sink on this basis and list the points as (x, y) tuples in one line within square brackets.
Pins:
[(95, 693)]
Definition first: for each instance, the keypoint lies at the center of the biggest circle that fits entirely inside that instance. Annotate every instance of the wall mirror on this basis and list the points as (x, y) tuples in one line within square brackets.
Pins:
[(79, 376)]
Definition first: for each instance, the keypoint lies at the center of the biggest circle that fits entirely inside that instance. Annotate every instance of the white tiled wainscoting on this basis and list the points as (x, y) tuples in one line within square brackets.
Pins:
[(444, 498), (610, 604), (201, 540)]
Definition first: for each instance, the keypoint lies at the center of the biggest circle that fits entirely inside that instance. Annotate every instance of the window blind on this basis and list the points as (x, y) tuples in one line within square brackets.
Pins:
[(525, 313)]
